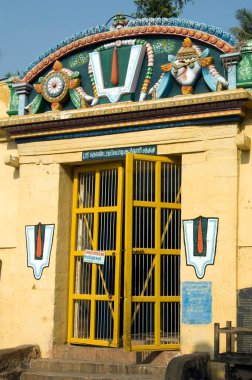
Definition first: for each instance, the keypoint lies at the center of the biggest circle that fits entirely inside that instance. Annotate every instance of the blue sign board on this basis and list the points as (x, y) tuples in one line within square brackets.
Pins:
[(104, 154), (197, 303)]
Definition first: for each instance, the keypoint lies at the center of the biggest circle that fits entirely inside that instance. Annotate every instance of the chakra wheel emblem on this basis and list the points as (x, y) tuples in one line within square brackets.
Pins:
[(56, 87)]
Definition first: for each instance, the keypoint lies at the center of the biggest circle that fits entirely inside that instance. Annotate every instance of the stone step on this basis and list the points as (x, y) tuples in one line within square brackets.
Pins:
[(91, 363), (67, 366), (30, 375), (119, 355)]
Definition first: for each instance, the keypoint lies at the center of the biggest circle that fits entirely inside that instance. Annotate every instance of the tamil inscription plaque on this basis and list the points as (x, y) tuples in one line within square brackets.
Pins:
[(104, 154), (197, 302)]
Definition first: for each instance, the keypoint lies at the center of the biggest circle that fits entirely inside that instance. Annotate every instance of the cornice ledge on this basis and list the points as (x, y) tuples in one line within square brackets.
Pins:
[(141, 109)]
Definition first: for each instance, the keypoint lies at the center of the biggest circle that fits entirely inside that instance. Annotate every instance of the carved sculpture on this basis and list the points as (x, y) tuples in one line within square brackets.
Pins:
[(186, 68), (139, 48), (55, 88), (189, 64)]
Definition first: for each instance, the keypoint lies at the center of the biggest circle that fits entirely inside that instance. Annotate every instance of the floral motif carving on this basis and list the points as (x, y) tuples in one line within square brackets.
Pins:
[(163, 46), (245, 69), (78, 60)]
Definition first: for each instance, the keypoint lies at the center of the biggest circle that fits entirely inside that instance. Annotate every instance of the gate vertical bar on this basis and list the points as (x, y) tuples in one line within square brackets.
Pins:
[(157, 249), (118, 252), (95, 246), (128, 251), (72, 264)]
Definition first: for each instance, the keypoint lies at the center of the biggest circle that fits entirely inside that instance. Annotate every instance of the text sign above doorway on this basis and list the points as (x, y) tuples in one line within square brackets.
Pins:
[(104, 154)]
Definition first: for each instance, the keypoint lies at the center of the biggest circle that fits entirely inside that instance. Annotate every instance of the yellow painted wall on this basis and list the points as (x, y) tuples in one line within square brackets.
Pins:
[(34, 311), (215, 180), (209, 188), (34, 300), (8, 241), (9, 196), (4, 99), (62, 256), (245, 215)]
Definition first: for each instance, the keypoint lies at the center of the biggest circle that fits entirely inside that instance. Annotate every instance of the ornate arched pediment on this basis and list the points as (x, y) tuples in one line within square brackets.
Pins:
[(134, 61)]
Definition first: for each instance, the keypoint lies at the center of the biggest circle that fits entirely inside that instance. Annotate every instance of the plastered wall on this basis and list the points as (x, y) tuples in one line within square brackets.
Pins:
[(209, 188), (8, 211), (245, 215), (4, 99), (8, 240), (62, 256), (34, 299), (35, 311)]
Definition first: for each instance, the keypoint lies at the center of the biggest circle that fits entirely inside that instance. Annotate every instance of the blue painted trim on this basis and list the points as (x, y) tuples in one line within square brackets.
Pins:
[(213, 30), (75, 37), (217, 32), (75, 135)]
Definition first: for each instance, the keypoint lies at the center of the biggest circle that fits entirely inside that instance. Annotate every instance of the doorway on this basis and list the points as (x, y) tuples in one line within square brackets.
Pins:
[(131, 211)]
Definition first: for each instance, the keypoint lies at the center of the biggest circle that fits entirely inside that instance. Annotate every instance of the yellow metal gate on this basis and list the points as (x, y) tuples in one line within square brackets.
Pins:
[(151, 317), (152, 255), (94, 296)]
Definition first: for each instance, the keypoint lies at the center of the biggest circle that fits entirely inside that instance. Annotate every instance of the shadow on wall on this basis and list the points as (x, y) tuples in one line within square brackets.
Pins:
[(0, 268), (11, 145), (16, 174), (203, 347), (12, 159), (245, 157)]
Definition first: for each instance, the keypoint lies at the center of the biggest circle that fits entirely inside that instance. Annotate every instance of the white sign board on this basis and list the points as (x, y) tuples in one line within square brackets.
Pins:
[(94, 257)]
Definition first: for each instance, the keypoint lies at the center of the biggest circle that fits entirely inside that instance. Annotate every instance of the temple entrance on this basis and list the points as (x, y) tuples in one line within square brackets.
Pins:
[(131, 211)]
